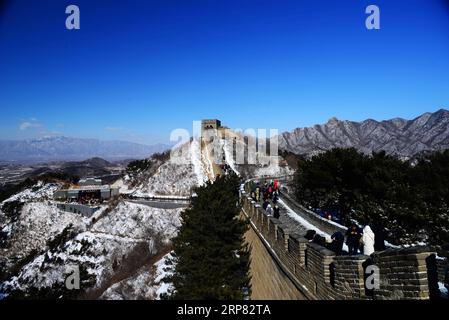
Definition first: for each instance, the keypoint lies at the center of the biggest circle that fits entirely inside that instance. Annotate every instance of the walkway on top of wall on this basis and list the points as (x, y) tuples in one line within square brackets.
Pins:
[(296, 219)]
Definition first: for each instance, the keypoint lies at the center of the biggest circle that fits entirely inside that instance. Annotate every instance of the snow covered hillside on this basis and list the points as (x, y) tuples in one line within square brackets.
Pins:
[(197, 161), (41, 242), (251, 164), (177, 176), (119, 251), (147, 284)]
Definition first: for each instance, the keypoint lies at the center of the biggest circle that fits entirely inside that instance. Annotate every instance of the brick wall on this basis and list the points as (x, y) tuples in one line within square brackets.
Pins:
[(317, 273), (405, 273)]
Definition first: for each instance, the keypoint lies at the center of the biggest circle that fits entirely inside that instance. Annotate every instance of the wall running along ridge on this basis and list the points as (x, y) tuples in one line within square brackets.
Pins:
[(317, 273)]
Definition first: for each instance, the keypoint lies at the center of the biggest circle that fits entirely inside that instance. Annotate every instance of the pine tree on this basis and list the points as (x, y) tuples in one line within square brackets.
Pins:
[(408, 200), (211, 260)]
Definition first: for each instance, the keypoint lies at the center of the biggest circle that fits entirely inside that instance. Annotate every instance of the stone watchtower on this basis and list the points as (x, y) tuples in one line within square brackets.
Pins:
[(210, 127), (210, 124)]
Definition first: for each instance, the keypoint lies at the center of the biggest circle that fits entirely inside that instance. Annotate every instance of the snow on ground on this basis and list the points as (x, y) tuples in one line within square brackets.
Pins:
[(137, 287), (273, 170), (93, 253), (147, 284), (307, 225), (303, 222), (310, 226), (443, 291), (38, 223), (178, 175), (162, 271), (135, 220), (123, 184), (228, 153), (99, 248), (119, 184), (197, 158), (40, 191)]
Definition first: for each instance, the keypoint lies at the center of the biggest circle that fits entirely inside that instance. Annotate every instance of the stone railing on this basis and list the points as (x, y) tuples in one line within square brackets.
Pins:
[(321, 223), (403, 273)]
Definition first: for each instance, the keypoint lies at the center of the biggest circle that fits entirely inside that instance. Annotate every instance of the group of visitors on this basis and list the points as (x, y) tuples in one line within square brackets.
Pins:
[(267, 192), (272, 211), (364, 241), (226, 168)]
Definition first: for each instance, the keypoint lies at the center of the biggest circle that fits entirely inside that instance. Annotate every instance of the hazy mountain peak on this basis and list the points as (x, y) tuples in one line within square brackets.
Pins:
[(69, 148)]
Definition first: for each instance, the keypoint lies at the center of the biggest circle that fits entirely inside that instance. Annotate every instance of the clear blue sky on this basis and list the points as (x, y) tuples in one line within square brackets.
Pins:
[(138, 69)]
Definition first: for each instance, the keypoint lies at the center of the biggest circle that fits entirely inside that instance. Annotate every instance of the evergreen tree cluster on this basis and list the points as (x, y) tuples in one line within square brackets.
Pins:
[(409, 200), (211, 260)]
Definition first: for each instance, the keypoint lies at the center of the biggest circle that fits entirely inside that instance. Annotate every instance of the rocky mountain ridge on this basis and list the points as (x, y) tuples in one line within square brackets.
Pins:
[(401, 137)]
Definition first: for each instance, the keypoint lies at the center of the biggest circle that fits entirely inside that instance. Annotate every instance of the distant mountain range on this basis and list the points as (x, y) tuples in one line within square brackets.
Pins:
[(64, 148), (404, 138)]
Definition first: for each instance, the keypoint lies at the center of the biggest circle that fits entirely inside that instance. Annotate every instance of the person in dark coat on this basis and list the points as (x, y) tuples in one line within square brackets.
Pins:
[(379, 238), (276, 211), (337, 243), (319, 240), (310, 234), (353, 239), (265, 204), (265, 194)]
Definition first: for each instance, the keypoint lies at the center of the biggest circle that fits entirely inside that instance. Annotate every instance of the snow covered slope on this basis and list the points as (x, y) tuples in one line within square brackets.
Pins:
[(115, 249), (44, 241), (178, 176), (147, 284), (253, 163)]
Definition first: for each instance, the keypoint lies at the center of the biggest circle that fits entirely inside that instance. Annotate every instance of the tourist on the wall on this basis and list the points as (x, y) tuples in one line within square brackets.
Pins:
[(269, 210), (265, 204), (337, 243), (368, 240), (310, 234), (353, 239), (276, 211), (379, 238), (265, 194), (319, 240)]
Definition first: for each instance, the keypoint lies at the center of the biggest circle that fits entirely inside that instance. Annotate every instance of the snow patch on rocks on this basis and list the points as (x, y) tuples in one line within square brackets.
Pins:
[(137, 221), (186, 169)]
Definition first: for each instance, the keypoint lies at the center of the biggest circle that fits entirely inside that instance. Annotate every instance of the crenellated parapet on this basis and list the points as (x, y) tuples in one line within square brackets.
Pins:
[(316, 271)]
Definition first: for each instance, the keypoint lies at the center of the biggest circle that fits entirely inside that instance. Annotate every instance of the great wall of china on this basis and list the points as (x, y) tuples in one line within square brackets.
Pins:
[(285, 265)]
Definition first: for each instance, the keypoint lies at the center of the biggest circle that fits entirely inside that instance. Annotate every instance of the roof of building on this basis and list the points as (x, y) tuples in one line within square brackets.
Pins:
[(90, 180), (210, 120), (102, 187)]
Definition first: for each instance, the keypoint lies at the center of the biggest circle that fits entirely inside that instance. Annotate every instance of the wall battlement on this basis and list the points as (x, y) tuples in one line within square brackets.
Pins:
[(410, 273)]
